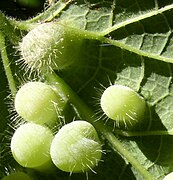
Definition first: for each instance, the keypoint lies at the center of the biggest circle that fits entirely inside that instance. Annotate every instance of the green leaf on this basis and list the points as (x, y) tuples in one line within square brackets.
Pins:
[(135, 35), (164, 109), (130, 24), (156, 83), (91, 19)]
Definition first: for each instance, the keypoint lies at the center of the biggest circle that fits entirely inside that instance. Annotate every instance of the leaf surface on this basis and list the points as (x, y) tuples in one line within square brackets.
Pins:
[(136, 52)]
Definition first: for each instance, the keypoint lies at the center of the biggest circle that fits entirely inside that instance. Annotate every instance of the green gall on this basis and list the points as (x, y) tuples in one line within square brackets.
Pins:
[(169, 176), (76, 147), (122, 104), (30, 145), (50, 46), (36, 102)]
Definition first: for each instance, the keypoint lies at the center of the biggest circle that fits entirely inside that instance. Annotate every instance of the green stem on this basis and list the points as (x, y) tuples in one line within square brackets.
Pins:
[(144, 133), (105, 40), (46, 16), (135, 50), (125, 153), (138, 18), (23, 25), (7, 28), (51, 12), (6, 64), (86, 113)]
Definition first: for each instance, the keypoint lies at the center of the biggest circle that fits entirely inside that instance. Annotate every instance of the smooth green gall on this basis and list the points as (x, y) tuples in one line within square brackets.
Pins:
[(30, 145), (36, 102), (76, 147), (50, 46), (124, 105), (17, 176), (169, 176)]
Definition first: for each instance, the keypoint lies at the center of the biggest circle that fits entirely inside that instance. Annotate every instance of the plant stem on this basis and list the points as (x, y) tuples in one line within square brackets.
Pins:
[(46, 16), (125, 153), (51, 12), (138, 18), (87, 114), (6, 64), (143, 133), (7, 28)]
